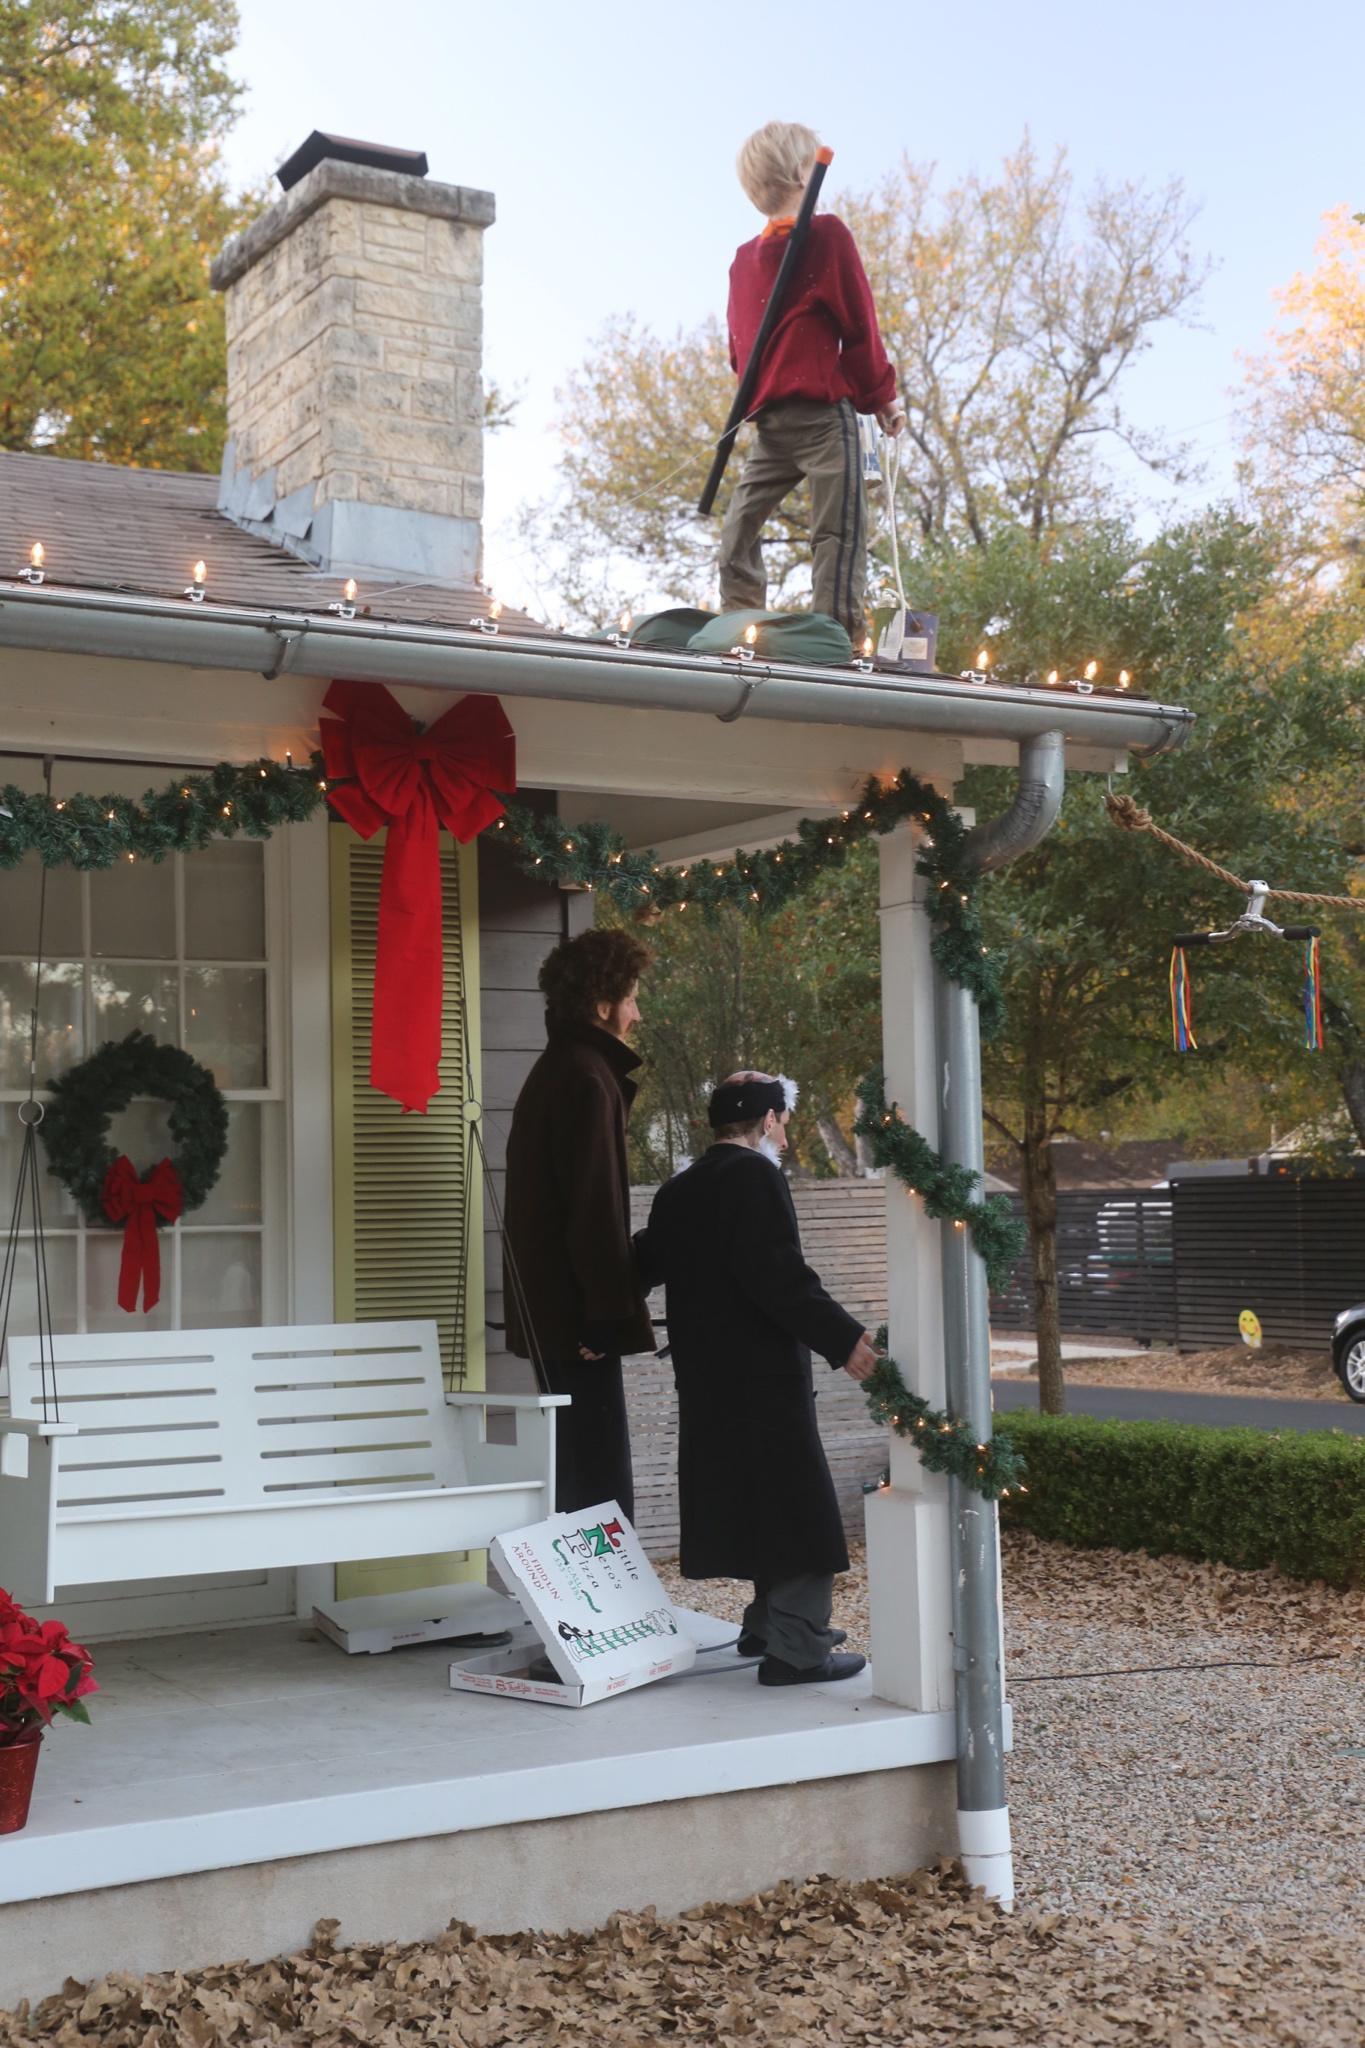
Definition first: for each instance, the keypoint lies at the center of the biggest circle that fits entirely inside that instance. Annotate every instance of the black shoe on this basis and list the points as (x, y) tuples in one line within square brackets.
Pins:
[(772, 1671), (754, 1646)]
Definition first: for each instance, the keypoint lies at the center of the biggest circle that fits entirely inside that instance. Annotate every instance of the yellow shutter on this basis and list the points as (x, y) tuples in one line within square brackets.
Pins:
[(407, 1196)]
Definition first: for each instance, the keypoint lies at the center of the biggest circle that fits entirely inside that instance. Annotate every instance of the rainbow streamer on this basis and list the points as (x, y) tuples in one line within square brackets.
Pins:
[(1312, 998), (1182, 1012)]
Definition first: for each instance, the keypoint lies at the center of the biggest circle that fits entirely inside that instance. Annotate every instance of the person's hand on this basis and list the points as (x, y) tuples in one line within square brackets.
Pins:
[(862, 1360), (891, 419), (591, 1356)]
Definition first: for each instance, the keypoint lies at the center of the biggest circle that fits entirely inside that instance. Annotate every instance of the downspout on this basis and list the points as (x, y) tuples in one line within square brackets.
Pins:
[(982, 1811)]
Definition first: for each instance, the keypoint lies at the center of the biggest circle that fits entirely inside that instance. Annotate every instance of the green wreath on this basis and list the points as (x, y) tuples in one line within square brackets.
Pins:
[(76, 1120)]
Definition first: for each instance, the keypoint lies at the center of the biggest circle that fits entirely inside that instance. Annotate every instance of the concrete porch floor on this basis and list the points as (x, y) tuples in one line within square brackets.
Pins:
[(240, 1784)]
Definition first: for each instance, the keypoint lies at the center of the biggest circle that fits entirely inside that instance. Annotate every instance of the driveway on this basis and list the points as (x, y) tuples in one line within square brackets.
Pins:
[(1155, 1404)]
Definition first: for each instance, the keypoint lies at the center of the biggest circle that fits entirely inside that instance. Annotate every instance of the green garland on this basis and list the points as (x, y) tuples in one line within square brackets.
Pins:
[(75, 1124), (946, 1191), (593, 856), (182, 817), (992, 1469), (220, 802)]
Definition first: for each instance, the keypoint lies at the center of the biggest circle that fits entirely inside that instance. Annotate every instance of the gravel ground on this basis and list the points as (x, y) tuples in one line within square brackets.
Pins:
[(1286, 1375), (1190, 1856), (1193, 1795)]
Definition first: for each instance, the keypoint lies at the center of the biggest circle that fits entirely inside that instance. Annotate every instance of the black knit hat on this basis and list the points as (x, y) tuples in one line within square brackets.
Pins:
[(743, 1102)]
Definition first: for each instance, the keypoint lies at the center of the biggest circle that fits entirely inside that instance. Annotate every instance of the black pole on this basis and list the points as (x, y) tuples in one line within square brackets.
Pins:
[(791, 255)]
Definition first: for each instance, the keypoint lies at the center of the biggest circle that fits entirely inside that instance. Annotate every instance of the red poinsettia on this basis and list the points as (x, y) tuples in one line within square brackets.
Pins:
[(42, 1674)]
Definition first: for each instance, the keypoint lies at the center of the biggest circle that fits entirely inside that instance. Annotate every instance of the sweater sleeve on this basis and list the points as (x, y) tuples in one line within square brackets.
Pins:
[(871, 379), (767, 1264)]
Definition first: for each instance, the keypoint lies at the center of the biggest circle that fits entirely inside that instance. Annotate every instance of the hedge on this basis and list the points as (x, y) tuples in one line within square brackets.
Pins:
[(1243, 1497)]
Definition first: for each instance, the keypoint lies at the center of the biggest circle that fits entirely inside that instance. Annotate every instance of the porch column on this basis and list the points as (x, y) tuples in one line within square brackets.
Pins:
[(909, 1570)]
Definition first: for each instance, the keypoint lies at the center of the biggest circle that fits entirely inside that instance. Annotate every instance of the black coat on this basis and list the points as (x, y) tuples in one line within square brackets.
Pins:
[(745, 1312), (568, 1203)]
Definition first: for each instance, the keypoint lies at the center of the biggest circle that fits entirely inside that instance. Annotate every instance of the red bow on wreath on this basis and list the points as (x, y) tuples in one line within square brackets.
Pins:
[(139, 1205), (382, 770)]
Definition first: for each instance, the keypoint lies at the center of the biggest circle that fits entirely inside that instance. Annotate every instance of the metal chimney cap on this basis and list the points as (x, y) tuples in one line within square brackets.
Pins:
[(409, 163)]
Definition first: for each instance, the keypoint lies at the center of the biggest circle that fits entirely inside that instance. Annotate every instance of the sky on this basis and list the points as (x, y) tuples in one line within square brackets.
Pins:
[(608, 133)]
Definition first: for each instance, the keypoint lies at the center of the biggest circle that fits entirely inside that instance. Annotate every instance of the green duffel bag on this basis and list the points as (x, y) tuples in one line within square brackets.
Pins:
[(804, 637), (674, 628)]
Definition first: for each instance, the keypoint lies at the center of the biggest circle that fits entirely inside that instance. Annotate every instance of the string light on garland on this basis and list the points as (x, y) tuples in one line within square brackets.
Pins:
[(994, 1469), (34, 571), (947, 1191), (93, 832)]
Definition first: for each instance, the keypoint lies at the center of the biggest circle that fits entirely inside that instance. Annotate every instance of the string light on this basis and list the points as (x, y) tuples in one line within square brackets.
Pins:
[(1092, 669), (1053, 678), (37, 554), (488, 622), (983, 659), (622, 637), (194, 589), (344, 606), (1124, 679)]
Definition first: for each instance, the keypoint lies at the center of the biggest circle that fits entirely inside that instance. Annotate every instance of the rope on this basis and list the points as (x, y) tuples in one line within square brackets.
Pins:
[(1129, 816)]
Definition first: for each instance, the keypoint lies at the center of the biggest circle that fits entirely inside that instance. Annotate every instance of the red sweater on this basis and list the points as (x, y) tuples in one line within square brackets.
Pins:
[(826, 344)]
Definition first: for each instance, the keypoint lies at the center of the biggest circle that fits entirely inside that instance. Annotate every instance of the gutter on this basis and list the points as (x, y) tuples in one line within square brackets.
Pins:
[(974, 1530), (269, 643)]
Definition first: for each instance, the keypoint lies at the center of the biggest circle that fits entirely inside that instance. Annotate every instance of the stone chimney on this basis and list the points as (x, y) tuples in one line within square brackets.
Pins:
[(355, 398)]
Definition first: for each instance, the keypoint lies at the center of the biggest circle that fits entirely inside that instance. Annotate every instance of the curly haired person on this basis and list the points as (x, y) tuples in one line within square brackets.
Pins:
[(823, 365), (574, 1298)]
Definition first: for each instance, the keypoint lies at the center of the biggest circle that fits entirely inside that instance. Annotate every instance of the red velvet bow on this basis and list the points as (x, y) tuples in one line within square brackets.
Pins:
[(138, 1204), (382, 771)]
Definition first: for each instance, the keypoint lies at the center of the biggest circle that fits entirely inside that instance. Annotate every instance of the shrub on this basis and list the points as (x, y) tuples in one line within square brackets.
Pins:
[(1243, 1497)]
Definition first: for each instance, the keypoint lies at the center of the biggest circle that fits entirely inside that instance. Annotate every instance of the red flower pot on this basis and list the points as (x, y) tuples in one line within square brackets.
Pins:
[(18, 1762)]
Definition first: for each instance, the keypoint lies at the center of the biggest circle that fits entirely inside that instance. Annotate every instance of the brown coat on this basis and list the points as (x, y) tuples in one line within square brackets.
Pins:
[(568, 1203)]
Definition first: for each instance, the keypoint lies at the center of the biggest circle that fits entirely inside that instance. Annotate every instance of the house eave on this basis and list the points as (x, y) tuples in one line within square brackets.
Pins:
[(128, 626)]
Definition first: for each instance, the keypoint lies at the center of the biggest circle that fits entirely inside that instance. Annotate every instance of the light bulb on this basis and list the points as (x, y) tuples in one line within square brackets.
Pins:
[(348, 590), (867, 645), (1124, 679), (1092, 669), (750, 635), (983, 657), (37, 554), (199, 573), (1052, 675), (626, 617), (495, 607)]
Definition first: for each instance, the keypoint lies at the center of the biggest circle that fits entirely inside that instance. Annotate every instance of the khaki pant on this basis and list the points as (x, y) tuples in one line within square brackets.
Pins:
[(801, 438)]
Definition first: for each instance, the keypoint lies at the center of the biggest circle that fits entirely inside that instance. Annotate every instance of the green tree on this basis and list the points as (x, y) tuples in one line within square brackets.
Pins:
[(1013, 309), (112, 204), (1082, 927), (796, 993)]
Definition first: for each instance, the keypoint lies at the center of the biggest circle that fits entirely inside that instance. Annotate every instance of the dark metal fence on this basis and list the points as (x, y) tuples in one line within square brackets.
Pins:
[(1115, 1272), (1178, 1266), (1291, 1249)]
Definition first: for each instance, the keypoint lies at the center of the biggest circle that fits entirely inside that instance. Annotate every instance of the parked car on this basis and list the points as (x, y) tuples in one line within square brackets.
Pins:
[(1348, 1349)]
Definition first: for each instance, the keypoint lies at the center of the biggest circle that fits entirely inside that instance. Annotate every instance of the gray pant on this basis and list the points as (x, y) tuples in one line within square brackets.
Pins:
[(799, 438), (791, 1619)]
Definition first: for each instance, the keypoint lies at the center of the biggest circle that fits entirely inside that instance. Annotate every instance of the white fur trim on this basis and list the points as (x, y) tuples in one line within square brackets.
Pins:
[(790, 1090)]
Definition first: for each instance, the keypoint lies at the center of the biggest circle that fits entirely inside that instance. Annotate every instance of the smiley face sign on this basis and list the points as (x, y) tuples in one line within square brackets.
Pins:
[(1249, 1326)]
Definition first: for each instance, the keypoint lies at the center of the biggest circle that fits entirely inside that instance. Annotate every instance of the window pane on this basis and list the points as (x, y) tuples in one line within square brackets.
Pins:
[(220, 1279), (225, 901), (19, 909), (225, 1023), (61, 1033), (236, 1194), (103, 1254), (60, 1260), (57, 1205), (130, 997), (132, 910)]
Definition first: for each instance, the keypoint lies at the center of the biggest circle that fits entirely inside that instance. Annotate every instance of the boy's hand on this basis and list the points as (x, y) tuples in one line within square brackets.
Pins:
[(862, 1359), (891, 419)]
